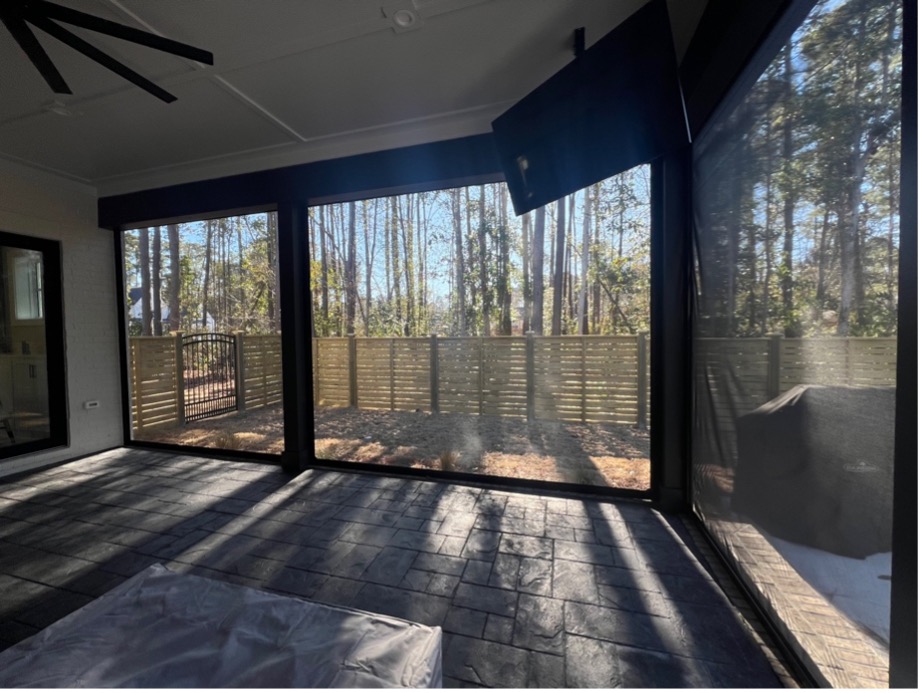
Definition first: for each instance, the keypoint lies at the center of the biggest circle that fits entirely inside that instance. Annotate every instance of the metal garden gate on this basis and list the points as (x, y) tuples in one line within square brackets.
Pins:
[(209, 375)]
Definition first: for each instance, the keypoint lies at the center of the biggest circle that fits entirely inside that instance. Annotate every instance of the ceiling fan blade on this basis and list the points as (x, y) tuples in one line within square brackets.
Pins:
[(33, 49), (93, 53), (126, 33)]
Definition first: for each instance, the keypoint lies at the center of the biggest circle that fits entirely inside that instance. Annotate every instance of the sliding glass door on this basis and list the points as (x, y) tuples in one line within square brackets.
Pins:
[(32, 394)]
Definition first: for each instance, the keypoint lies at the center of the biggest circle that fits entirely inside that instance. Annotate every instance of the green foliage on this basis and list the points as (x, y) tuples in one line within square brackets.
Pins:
[(232, 254)]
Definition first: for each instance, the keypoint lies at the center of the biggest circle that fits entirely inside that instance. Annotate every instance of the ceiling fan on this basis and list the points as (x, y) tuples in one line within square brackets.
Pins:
[(17, 15)]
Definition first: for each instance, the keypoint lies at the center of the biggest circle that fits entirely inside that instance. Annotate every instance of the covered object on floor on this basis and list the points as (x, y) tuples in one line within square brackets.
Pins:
[(160, 629), (816, 468)]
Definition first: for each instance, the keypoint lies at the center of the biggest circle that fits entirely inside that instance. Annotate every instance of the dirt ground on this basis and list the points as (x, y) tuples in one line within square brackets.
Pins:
[(595, 454)]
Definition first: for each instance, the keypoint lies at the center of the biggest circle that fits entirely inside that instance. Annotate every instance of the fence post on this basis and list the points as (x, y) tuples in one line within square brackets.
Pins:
[(353, 373), (530, 376), (180, 383), (848, 363), (315, 364), (136, 383), (264, 369), (240, 372), (391, 370), (434, 373), (642, 381), (774, 365), (582, 380), (480, 378)]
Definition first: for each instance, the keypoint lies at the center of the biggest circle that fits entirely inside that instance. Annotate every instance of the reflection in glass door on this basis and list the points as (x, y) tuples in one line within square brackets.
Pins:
[(24, 396)]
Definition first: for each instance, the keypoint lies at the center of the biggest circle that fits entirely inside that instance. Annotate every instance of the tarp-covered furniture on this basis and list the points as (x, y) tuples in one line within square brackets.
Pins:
[(160, 629), (815, 467)]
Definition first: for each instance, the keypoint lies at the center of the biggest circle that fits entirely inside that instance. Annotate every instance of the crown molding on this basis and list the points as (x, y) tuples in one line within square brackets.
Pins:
[(395, 135), (18, 168)]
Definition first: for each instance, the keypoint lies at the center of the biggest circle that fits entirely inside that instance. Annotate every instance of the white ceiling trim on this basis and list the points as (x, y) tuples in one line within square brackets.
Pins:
[(26, 170), (407, 133), (256, 107)]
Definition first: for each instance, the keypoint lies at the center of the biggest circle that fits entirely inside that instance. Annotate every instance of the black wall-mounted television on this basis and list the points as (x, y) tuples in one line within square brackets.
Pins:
[(616, 106)]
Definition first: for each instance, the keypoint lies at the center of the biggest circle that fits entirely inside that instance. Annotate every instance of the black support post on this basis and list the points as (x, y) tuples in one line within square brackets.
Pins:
[(297, 378), (670, 337), (904, 587)]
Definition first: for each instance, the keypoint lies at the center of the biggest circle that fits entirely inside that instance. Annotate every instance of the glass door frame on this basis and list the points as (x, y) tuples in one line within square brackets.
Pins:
[(53, 309)]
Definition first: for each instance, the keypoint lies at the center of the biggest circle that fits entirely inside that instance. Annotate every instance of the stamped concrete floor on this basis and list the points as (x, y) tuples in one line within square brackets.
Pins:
[(530, 590)]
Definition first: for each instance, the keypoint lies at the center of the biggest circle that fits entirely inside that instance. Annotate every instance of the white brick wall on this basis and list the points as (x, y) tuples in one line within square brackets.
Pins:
[(34, 203)]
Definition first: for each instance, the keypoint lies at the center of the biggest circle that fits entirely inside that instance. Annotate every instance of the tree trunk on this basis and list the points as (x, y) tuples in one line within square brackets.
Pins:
[(537, 272), (485, 293), (459, 260), (505, 288), (389, 287), (206, 280), (395, 264), (351, 289), (583, 315), (791, 326), (156, 283), (594, 260), (275, 321), (527, 250), (324, 278), (558, 266), (471, 264), (172, 231), (768, 241), (422, 298), (821, 262), (243, 322), (409, 254), (144, 243), (366, 235), (224, 322), (849, 222)]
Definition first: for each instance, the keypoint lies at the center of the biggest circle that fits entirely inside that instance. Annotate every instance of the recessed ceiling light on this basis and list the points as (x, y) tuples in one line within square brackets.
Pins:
[(402, 14), (405, 18)]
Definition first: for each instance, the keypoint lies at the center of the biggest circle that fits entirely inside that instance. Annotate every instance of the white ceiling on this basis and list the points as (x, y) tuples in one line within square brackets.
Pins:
[(293, 81)]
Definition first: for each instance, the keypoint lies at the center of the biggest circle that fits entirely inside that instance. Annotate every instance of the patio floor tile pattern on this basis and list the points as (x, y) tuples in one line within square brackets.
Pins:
[(531, 590)]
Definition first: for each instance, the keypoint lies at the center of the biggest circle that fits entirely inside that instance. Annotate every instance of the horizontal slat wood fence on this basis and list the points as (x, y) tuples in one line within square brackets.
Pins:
[(261, 368), (156, 386), (574, 378), (735, 376), (603, 379)]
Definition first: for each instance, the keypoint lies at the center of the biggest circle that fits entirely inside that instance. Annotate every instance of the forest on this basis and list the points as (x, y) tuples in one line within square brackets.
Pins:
[(217, 275), (797, 189), (796, 225), (457, 262)]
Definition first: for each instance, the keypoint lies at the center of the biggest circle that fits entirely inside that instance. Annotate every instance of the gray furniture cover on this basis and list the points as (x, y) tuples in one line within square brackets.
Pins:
[(160, 629), (816, 468)]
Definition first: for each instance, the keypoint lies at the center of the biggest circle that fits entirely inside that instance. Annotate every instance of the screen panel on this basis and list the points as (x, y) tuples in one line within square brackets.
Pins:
[(796, 205)]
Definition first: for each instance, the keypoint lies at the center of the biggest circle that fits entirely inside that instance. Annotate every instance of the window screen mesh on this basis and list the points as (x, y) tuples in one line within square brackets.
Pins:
[(796, 222)]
